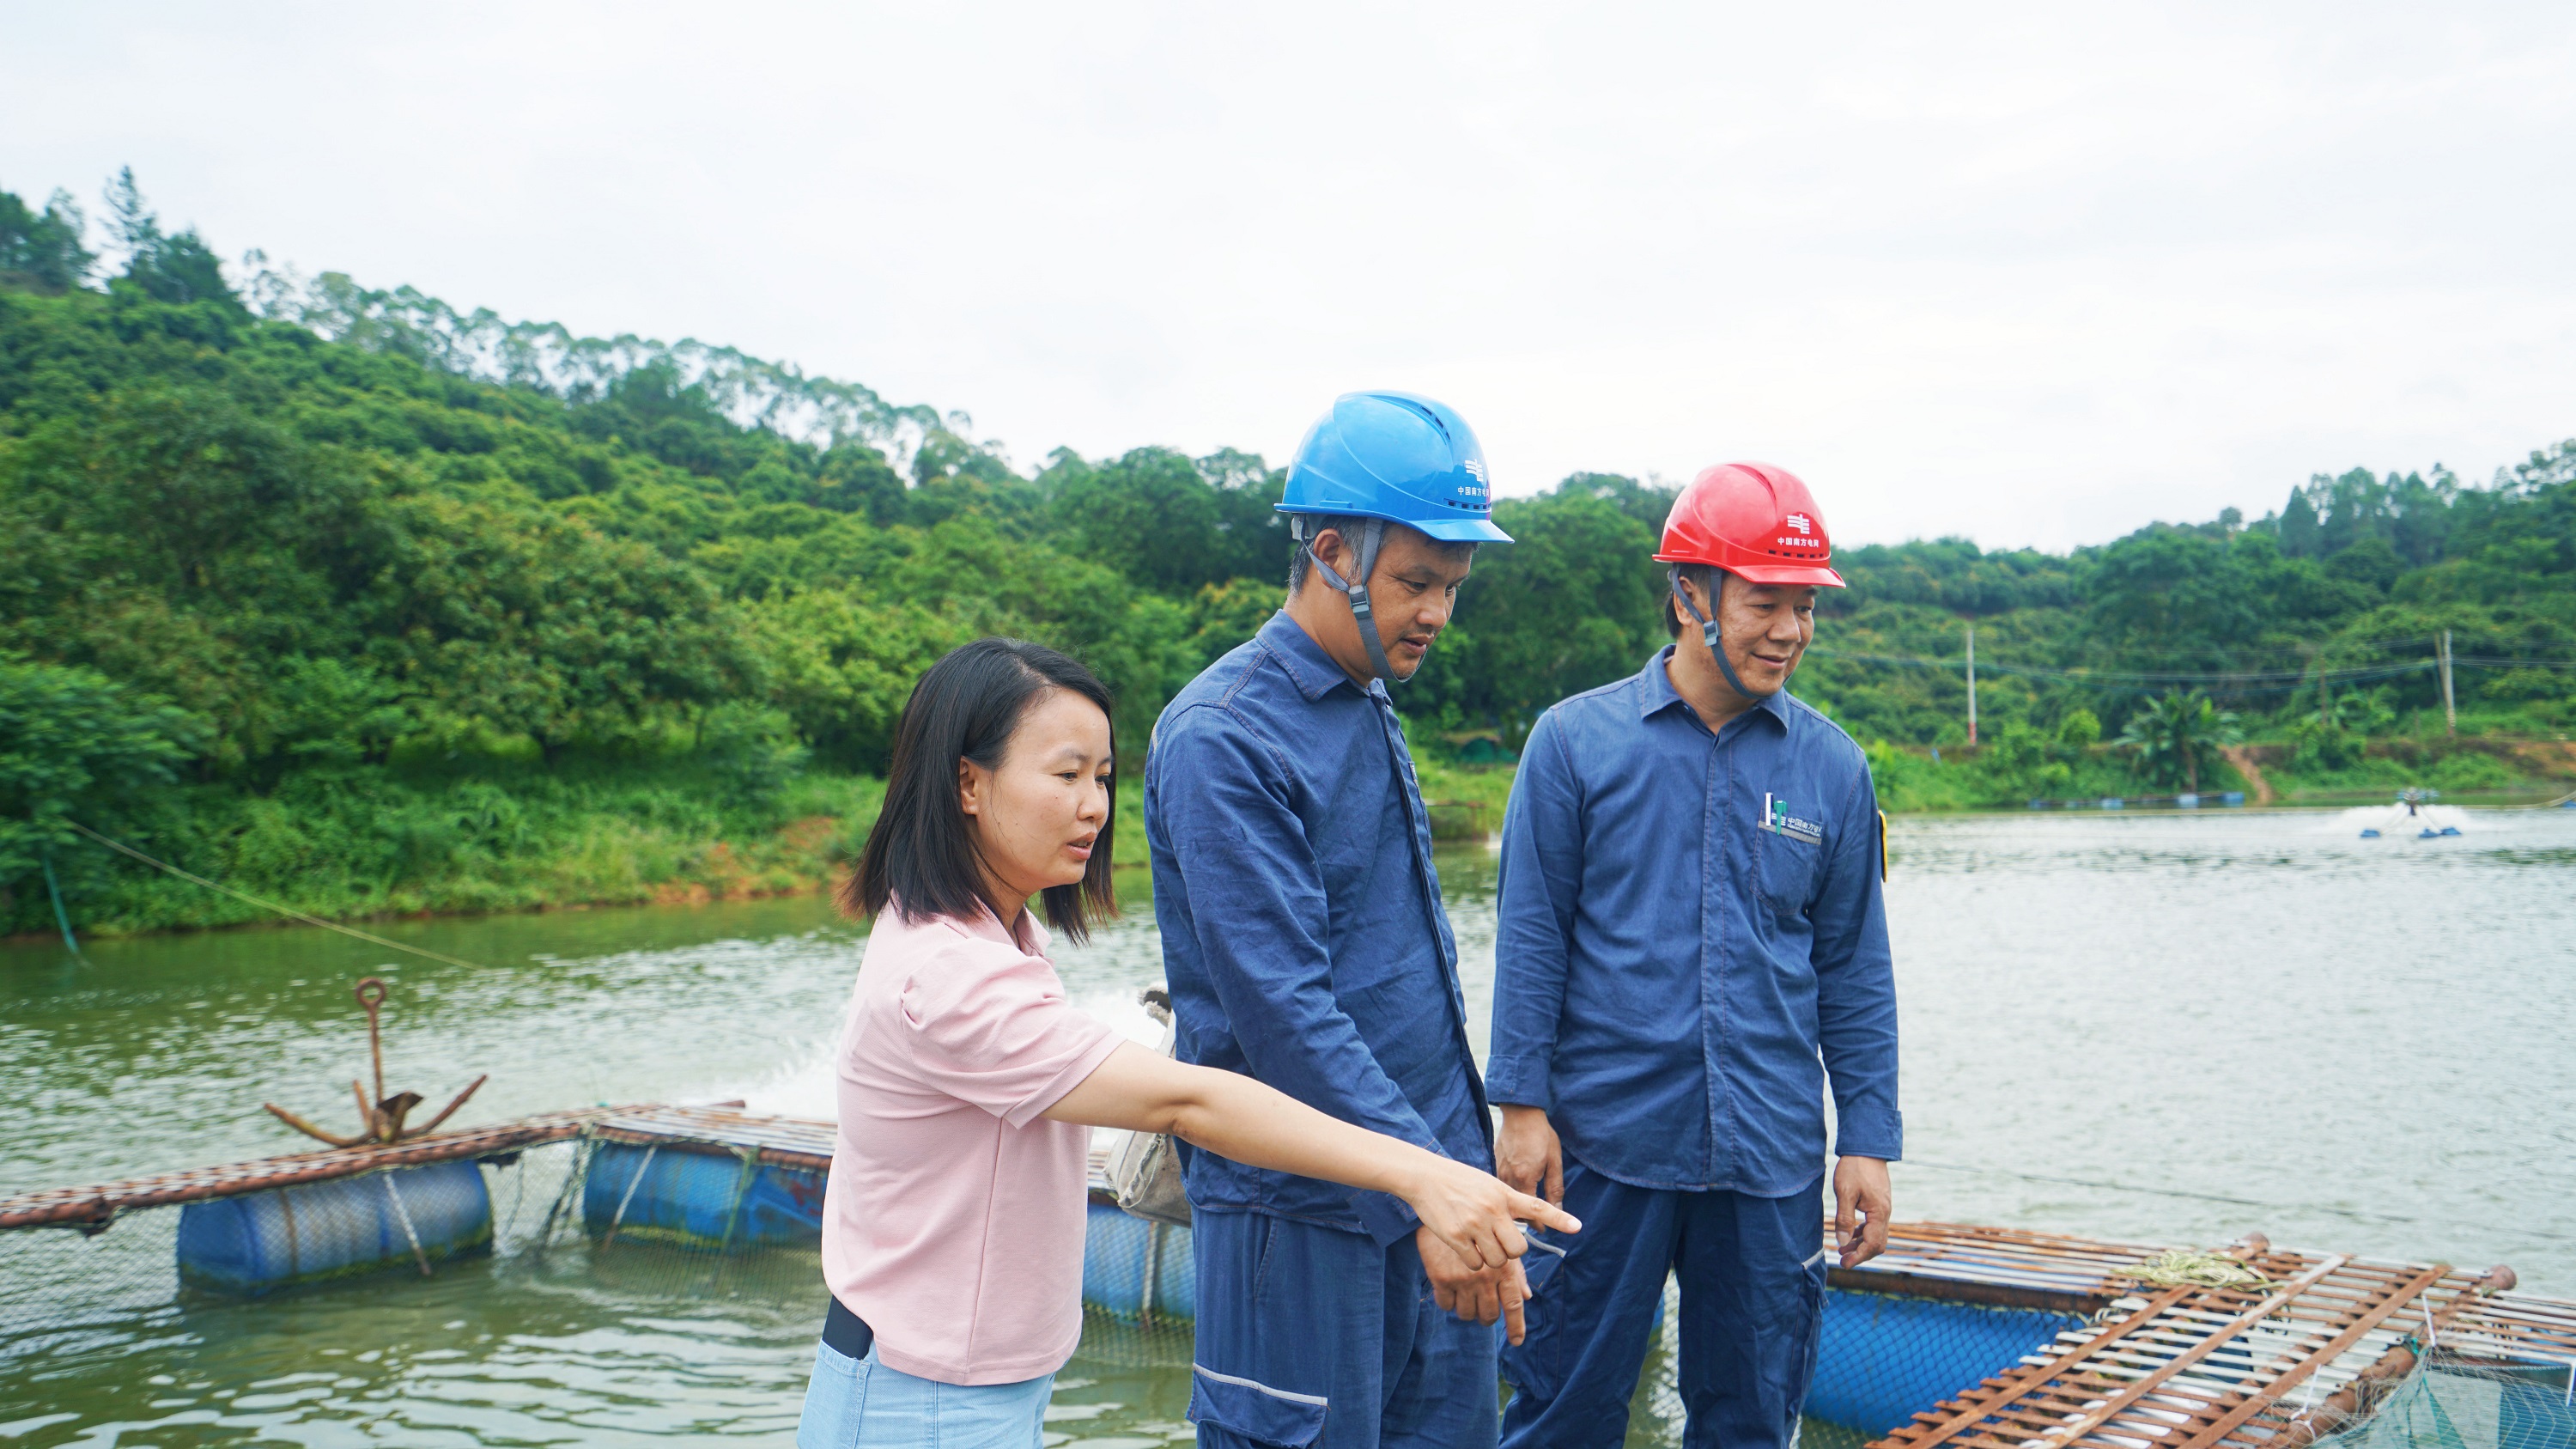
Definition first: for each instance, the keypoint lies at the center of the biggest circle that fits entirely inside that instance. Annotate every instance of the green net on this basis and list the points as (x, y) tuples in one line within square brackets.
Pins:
[(2461, 1403)]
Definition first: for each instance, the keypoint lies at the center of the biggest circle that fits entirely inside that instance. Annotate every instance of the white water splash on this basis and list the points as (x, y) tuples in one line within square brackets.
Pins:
[(2396, 822)]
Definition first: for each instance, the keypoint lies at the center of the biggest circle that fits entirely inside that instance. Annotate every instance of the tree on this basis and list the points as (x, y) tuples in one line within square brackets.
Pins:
[(2298, 526), (2175, 736), (2371, 562), (178, 269), (1154, 515), (1576, 601), (76, 745), (539, 625), (43, 252)]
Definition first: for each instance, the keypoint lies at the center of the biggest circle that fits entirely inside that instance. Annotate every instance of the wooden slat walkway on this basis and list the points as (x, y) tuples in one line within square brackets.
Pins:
[(98, 1205)]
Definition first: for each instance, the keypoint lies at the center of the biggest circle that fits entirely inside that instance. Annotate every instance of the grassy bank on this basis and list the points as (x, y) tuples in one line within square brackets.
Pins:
[(363, 843), (2470, 769), (454, 839)]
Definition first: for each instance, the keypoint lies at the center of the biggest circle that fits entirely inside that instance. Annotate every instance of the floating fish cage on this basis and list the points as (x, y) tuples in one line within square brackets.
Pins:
[(1989, 1338)]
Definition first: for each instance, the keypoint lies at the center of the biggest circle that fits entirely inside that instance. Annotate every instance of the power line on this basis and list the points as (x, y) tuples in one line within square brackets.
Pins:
[(2294, 678), (2281, 681)]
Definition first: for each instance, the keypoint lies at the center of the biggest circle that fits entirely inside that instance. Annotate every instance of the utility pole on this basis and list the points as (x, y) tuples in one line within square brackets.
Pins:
[(2450, 709), (1972, 683)]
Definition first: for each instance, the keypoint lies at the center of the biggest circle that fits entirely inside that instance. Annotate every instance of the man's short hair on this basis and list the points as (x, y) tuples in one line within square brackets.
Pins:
[(1305, 528), (1704, 575), (1309, 526)]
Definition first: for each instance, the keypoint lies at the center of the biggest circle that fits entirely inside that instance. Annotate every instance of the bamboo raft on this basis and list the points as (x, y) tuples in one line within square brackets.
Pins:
[(2082, 1346)]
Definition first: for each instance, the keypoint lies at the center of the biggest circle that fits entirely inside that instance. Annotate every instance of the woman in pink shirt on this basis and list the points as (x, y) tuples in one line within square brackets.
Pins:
[(953, 1223)]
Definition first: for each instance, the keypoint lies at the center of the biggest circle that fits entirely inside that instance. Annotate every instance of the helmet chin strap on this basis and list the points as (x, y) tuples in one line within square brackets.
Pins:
[(1358, 593), (1708, 632)]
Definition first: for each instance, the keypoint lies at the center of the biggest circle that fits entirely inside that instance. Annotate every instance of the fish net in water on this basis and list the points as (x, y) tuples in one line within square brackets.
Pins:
[(2453, 1402), (1881, 1358), (60, 1284), (583, 1263), (521, 1219)]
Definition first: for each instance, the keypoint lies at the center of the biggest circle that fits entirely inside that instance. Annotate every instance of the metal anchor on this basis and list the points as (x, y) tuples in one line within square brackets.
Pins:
[(380, 1124)]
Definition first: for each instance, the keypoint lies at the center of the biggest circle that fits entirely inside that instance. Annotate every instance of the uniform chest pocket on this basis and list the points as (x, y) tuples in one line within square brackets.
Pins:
[(1789, 868)]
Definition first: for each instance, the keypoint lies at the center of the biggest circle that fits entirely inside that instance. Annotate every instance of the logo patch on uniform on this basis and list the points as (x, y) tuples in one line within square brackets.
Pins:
[(1777, 819)]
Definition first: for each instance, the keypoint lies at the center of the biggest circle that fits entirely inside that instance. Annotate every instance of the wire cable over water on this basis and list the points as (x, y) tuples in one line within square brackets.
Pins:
[(287, 911)]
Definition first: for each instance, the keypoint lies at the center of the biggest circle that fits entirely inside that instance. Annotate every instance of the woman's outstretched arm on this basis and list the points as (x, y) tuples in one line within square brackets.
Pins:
[(1236, 1117)]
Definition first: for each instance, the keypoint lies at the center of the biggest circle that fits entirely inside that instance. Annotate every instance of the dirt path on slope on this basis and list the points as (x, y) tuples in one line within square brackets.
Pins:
[(2243, 759)]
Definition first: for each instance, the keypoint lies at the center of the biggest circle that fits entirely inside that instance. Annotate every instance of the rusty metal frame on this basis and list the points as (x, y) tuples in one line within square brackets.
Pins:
[(93, 1208), (2156, 1375)]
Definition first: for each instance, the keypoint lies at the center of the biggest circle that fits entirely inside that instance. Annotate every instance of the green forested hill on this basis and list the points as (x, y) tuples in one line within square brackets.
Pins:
[(350, 599)]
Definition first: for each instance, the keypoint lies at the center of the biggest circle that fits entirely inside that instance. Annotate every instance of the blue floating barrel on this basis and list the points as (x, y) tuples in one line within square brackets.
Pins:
[(262, 1241), (699, 1200), (1885, 1358), (1128, 1262)]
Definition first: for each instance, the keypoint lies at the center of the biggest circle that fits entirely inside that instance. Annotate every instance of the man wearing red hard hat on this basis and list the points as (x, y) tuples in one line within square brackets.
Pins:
[(1692, 946)]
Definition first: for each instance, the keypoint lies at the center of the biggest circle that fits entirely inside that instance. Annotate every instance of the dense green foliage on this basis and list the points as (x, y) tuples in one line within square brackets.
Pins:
[(2321, 621), (351, 598)]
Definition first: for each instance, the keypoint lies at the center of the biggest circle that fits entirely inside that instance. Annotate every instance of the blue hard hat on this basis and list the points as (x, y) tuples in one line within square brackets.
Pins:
[(1399, 457)]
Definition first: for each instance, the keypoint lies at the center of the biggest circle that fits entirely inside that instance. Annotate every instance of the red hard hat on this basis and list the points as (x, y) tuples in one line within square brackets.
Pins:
[(1755, 521)]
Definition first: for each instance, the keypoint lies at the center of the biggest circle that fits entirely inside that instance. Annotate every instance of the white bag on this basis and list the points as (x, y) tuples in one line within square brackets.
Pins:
[(1144, 1170)]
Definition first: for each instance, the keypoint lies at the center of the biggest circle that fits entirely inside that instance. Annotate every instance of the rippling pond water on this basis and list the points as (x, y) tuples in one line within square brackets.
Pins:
[(2164, 1028)]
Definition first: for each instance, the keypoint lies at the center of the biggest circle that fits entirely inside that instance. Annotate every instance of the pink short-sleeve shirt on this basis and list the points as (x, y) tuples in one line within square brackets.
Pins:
[(953, 1220)]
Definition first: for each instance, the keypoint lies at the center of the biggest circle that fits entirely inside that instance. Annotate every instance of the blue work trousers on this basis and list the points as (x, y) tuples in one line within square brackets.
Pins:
[(1314, 1336), (1752, 1276)]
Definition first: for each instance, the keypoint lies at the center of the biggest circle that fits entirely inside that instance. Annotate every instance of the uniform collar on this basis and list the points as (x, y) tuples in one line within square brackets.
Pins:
[(1309, 667), (1655, 693)]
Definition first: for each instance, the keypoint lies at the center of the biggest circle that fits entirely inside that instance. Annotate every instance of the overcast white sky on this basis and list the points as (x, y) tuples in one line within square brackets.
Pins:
[(2036, 274)]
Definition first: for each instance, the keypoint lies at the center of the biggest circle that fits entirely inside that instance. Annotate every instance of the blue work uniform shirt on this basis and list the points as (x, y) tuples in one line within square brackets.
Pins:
[(1692, 938), (1303, 937)]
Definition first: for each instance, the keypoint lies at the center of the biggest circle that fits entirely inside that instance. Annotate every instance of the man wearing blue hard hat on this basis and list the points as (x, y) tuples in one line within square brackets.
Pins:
[(1305, 945)]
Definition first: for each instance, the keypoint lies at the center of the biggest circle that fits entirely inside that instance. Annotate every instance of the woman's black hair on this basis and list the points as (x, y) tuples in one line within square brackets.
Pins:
[(920, 853)]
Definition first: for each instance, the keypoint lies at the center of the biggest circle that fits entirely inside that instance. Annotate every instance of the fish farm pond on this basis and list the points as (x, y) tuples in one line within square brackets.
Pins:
[(2150, 1027)]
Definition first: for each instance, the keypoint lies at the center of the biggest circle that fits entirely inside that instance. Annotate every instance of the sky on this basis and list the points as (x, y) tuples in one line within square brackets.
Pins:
[(2035, 274)]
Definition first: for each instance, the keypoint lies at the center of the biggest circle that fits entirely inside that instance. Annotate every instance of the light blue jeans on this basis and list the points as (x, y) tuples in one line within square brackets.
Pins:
[(862, 1404)]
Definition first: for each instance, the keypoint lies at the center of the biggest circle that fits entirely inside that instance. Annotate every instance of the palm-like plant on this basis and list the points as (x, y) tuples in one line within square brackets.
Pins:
[(2174, 736)]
